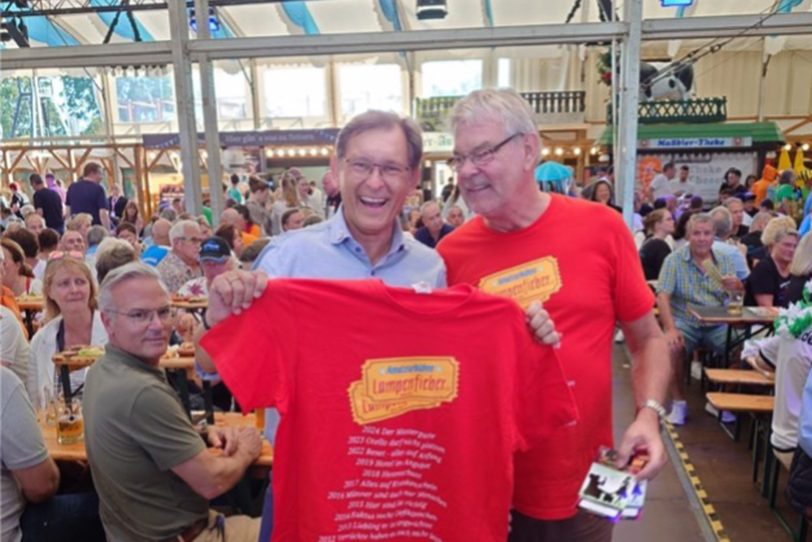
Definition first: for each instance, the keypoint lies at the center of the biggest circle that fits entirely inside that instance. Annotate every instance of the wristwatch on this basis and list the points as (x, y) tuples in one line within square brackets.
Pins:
[(654, 405)]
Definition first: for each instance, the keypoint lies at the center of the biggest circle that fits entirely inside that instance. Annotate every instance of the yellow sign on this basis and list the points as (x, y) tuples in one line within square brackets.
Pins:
[(390, 387), (532, 281)]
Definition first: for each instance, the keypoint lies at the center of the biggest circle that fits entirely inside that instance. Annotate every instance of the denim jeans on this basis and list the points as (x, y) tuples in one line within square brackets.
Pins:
[(63, 518)]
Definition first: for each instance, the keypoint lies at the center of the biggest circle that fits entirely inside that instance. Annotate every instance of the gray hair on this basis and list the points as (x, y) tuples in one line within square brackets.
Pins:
[(730, 201), (501, 104), (111, 254), (428, 204), (698, 218), (178, 229), (130, 271), (760, 221), (95, 235), (169, 214), (378, 120), (722, 221)]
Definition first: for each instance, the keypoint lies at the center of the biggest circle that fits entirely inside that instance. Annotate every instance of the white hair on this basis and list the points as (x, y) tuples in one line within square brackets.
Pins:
[(178, 229), (130, 271), (500, 104)]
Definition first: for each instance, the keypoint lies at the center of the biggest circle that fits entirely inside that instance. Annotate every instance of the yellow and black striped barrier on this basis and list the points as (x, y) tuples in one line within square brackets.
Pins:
[(701, 495)]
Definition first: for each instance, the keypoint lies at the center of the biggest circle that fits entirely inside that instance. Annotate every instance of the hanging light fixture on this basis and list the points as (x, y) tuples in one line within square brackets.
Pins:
[(431, 9)]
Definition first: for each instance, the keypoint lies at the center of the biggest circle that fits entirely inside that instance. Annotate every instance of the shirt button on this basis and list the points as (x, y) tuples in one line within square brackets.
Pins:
[(372, 272)]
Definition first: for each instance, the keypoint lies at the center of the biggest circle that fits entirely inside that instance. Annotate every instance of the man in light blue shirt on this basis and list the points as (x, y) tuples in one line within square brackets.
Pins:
[(723, 229)]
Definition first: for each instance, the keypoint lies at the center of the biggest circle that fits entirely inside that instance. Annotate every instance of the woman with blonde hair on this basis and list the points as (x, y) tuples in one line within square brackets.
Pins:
[(71, 320), (287, 198)]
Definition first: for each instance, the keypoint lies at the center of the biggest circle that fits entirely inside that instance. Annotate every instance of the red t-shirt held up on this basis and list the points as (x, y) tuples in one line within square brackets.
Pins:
[(400, 412), (580, 260)]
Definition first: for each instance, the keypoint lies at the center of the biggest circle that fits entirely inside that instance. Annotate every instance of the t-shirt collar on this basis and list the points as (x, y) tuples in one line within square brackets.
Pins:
[(131, 360)]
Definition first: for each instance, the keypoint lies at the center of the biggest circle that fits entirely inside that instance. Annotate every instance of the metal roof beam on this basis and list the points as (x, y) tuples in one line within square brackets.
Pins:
[(368, 42), (114, 54), (150, 53), (728, 26)]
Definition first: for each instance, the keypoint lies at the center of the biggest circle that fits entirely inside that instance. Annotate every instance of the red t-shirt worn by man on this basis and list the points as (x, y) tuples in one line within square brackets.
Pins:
[(580, 260), (401, 412)]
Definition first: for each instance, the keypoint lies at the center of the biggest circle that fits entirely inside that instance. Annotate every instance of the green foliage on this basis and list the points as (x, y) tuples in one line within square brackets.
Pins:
[(10, 90)]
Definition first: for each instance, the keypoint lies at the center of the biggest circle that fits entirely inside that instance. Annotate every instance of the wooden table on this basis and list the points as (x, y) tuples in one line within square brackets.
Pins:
[(77, 452), (194, 305), (750, 316), (30, 306)]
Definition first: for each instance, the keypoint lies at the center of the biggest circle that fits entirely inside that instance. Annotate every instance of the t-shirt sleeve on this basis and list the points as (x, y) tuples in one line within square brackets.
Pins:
[(762, 279), (544, 400), (632, 296), (20, 441), (163, 429), (253, 350), (101, 199)]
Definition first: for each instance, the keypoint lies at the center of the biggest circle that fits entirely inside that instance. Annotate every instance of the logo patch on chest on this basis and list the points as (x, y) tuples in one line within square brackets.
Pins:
[(532, 281), (390, 387)]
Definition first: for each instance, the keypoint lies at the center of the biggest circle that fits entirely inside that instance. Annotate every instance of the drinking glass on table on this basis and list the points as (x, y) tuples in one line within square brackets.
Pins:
[(735, 302), (69, 422)]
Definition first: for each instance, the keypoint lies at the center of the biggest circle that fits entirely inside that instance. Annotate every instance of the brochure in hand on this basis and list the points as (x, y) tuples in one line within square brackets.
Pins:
[(610, 492)]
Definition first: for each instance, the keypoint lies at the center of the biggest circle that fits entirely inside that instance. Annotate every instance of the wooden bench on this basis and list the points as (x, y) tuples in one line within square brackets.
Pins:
[(739, 376), (741, 402)]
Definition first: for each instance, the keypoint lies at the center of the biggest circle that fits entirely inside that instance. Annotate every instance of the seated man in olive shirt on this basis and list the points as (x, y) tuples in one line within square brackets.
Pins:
[(152, 471)]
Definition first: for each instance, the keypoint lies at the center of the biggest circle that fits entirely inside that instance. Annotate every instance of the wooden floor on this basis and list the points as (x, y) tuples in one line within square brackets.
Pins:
[(723, 468)]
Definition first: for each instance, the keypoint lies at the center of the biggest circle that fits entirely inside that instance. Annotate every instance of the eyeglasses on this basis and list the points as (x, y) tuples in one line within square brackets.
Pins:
[(195, 240), (479, 157), (143, 317), (362, 169), (59, 254)]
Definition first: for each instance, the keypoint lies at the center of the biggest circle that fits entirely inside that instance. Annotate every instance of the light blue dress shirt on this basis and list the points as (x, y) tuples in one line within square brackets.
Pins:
[(740, 263), (328, 251)]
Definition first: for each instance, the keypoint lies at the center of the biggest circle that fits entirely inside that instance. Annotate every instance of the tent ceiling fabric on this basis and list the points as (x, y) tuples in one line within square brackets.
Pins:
[(343, 16)]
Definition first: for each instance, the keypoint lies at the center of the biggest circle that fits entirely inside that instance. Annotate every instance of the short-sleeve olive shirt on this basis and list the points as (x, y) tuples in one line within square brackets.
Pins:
[(136, 431)]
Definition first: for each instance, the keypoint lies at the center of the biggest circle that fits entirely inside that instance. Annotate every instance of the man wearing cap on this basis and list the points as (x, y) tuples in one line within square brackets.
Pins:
[(215, 258)]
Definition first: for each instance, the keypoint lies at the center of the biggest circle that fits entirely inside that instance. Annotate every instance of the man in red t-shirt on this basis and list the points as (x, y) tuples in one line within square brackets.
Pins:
[(408, 430), (579, 259)]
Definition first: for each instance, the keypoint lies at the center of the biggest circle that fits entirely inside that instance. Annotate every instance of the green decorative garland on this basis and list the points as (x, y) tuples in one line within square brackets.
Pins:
[(797, 318)]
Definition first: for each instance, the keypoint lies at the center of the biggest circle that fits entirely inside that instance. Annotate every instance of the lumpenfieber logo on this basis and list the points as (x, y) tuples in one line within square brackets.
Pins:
[(390, 387), (525, 283)]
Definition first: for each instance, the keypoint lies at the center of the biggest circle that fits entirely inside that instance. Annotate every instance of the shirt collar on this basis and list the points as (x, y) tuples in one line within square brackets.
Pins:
[(340, 232)]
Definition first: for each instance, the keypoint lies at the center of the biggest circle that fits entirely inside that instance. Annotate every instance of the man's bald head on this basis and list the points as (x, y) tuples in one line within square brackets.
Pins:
[(160, 232), (232, 217)]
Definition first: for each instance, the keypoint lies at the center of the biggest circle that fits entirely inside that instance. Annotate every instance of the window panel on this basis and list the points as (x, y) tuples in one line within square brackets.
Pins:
[(295, 92), (370, 86), (451, 77)]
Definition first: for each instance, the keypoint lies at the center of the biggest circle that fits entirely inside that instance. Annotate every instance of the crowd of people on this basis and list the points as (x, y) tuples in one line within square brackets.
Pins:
[(108, 277)]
